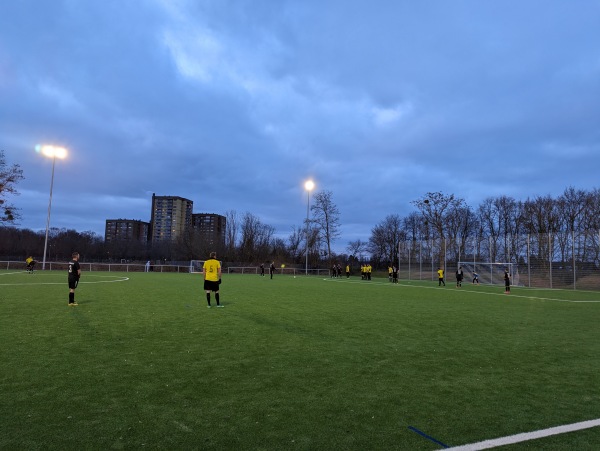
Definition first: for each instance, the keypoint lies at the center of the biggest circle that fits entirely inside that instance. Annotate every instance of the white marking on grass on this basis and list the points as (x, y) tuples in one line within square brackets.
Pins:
[(526, 436), (117, 279), (367, 282)]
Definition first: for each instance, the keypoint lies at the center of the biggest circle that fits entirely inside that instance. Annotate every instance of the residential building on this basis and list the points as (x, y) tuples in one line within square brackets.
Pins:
[(211, 228), (131, 230), (171, 217)]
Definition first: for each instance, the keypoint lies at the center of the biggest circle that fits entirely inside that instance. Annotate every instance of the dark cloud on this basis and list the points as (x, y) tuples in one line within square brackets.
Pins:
[(234, 105)]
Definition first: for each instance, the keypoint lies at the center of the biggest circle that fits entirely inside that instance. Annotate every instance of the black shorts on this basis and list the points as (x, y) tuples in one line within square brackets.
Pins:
[(211, 285), (73, 282)]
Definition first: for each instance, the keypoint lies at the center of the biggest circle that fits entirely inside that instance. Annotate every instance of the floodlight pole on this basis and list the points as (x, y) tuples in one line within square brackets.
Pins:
[(49, 208), (309, 185), (307, 210)]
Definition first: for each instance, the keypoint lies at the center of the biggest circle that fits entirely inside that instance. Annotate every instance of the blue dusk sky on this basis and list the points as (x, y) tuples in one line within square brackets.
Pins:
[(234, 104)]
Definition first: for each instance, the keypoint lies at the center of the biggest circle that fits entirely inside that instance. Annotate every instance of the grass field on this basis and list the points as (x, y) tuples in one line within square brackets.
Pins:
[(292, 364)]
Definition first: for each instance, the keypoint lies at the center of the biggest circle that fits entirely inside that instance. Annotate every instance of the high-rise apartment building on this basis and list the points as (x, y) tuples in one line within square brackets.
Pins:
[(126, 230), (211, 228), (171, 216)]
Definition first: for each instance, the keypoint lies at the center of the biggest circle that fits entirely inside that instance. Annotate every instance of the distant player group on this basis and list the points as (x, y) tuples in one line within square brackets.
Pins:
[(460, 276)]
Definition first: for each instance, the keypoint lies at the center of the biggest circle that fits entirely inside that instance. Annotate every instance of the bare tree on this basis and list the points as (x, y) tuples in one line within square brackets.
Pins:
[(462, 223), (542, 215), (501, 219), (541, 221), (231, 233), (9, 177), (436, 208), (326, 216), (385, 238), (357, 249), (256, 238), (294, 246), (571, 205)]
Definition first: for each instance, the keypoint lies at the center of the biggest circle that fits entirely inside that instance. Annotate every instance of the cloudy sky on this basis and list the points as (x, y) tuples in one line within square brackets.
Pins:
[(235, 103)]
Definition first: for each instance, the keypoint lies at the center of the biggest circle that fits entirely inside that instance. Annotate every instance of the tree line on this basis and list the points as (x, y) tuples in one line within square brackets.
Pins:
[(497, 221), (249, 240)]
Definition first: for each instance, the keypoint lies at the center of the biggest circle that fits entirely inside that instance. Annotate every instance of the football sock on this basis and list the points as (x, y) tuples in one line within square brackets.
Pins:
[(208, 298), (71, 298)]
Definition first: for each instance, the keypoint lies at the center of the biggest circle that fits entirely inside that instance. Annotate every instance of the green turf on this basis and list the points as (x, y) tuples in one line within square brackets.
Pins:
[(302, 363)]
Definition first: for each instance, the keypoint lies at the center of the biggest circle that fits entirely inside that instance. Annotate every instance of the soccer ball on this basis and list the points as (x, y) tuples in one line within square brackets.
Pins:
[(283, 266)]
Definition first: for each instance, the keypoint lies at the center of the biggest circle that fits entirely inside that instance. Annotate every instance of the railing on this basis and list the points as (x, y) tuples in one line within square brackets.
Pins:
[(110, 267), (278, 271), (139, 267)]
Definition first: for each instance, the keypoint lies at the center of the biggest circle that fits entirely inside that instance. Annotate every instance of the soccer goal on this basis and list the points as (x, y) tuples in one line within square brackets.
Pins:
[(197, 266), (490, 273)]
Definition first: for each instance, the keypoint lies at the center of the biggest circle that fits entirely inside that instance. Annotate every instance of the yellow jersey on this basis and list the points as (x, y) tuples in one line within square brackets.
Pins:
[(212, 270)]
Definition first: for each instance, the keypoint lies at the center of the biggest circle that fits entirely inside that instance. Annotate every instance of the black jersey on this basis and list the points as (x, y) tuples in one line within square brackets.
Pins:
[(74, 269)]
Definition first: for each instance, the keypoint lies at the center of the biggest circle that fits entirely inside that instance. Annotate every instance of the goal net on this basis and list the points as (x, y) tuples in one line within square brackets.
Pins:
[(490, 273), (196, 266)]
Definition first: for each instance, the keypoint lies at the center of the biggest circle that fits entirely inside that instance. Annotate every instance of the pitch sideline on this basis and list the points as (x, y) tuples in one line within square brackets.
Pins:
[(526, 436)]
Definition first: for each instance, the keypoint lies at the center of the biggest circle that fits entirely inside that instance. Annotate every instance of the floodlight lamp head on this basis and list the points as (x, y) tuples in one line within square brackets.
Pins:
[(309, 185), (52, 151)]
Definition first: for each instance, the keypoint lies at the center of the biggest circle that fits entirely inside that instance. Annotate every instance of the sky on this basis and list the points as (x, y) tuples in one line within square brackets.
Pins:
[(235, 104)]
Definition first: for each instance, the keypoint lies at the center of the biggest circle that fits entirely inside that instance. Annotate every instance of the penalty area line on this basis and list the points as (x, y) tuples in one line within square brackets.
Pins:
[(526, 436)]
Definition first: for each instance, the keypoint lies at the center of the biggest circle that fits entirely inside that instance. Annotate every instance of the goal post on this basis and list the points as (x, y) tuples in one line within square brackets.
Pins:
[(490, 273)]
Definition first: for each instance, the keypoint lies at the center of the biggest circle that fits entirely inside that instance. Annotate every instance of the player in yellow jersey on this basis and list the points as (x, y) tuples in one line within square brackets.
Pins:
[(212, 277), (440, 272), (30, 262)]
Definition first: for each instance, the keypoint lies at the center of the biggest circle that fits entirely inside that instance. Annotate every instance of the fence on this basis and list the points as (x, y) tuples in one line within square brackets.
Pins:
[(110, 267), (280, 271), (569, 260), (137, 267)]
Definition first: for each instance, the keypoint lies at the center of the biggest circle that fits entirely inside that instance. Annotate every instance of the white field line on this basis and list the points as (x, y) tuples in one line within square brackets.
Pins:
[(518, 438), (460, 289), (117, 279)]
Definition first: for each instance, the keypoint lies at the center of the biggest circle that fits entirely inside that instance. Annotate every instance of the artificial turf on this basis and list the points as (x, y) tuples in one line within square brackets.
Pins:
[(291, 363)]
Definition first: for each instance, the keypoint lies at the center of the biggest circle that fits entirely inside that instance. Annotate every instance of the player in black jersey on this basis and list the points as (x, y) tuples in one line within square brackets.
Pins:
[(74, 275)]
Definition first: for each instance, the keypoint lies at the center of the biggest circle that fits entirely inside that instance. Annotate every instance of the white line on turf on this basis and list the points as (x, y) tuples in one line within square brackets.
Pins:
[(518, 438), (533, 298), (117, 279)]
